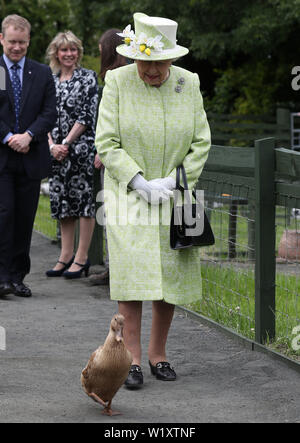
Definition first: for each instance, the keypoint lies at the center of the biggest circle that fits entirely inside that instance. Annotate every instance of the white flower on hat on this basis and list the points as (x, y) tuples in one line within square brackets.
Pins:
[(156, 43), (127, 34), (142, 42), (153, 43), (132, 50), (142, 39)]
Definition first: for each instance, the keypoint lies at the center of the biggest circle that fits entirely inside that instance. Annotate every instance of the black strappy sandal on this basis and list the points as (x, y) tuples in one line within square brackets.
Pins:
[(77, 274), (59, 273)]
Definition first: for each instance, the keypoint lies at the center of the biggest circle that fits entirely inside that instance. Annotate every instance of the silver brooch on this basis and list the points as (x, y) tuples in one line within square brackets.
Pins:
[(181, 81), (178, 89)]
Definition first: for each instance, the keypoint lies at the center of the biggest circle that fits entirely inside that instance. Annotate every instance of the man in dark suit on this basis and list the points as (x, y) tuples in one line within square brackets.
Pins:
[(27, 114)]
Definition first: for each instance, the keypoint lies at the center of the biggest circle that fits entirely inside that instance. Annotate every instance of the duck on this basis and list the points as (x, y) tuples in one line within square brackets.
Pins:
[(108, 367)]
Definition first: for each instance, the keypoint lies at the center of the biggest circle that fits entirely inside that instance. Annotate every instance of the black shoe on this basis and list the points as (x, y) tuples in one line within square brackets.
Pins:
[(6, 288), (20, 290), (135, 378), (163, 371), (77, 274), (59, 273)]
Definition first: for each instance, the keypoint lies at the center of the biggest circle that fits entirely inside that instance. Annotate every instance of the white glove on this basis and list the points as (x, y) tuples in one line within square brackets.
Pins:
[(153, 193), (167, 182)]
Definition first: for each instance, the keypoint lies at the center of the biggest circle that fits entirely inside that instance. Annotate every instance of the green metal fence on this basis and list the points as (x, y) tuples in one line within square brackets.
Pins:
[(242, 130), (250, 194)]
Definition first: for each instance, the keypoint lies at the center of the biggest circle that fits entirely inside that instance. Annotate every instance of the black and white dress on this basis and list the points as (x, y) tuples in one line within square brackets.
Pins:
[(71, 182)]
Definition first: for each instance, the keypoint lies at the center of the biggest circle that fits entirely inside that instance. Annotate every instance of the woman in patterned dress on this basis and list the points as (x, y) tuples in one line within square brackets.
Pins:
[(72, 147), (151, 120)]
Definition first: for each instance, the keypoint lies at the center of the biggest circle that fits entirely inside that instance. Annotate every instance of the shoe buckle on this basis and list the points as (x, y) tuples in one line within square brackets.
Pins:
[(165, 365)]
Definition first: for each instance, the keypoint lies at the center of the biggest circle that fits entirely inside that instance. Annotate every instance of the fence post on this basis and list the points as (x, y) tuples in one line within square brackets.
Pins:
[(283, 120), (283, 116), (265, 264)]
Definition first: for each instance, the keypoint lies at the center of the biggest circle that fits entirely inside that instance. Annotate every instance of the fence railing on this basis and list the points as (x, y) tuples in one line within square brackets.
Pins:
[(242, 130), (256, 188)]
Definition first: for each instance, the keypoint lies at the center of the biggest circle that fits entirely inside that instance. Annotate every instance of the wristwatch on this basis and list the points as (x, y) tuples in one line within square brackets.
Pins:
[(65, 142)]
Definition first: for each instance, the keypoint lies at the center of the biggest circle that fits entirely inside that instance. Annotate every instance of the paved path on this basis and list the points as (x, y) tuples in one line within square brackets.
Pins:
[(51, 336)]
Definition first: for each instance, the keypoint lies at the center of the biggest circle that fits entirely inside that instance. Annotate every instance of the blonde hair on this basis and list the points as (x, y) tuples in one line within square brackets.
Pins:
[(66, 38), (17, 21)]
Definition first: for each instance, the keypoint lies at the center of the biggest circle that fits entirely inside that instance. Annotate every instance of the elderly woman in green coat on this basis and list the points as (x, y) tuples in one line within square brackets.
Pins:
[(151, 120)]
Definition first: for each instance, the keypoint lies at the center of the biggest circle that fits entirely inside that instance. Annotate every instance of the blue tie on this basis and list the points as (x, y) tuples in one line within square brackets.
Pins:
[(17, 90)]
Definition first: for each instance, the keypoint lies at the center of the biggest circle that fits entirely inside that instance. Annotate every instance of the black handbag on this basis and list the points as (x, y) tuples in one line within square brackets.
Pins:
[(189, 223)]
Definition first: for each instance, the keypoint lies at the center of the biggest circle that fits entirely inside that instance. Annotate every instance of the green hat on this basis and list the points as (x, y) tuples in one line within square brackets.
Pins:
[(154, 39)]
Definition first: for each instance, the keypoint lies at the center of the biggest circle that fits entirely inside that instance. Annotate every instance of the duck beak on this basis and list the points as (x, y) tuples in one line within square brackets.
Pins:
[(119, 335)]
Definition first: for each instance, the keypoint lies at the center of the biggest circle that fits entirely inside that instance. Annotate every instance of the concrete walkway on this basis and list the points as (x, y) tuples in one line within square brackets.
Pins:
[(51, 336)]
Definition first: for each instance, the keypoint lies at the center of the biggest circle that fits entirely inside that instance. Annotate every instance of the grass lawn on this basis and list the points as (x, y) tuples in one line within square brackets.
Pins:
[(43, 222), (228, 298)]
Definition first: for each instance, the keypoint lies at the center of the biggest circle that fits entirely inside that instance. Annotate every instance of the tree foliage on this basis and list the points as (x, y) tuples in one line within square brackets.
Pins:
[(243, 51)]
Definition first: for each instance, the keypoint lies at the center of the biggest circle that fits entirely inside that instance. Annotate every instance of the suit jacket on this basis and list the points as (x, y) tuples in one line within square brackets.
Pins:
[(37, 114)]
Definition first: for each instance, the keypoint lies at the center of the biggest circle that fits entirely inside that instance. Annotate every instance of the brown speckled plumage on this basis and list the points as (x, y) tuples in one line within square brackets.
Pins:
[(108, 367)]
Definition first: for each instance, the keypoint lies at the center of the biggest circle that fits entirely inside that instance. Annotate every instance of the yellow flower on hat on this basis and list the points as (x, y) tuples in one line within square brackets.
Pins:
[(143, 43)]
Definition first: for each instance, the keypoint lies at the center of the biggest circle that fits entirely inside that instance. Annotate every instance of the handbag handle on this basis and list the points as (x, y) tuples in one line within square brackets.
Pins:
[(181, 169)]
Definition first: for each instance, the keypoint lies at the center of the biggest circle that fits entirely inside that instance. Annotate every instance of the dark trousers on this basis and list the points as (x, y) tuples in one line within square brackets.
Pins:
[(19, 196)]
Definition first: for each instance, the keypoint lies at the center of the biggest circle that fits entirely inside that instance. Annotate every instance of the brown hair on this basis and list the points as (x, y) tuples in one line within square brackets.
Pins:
[(17, 21), (110, 59), (63, 38)]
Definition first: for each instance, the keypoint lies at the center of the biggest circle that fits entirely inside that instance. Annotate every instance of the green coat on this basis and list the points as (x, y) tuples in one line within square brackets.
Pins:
[(149, 130)]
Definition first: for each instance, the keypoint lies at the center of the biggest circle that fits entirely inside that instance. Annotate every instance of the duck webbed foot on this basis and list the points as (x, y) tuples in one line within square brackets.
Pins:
[(108, 411)]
